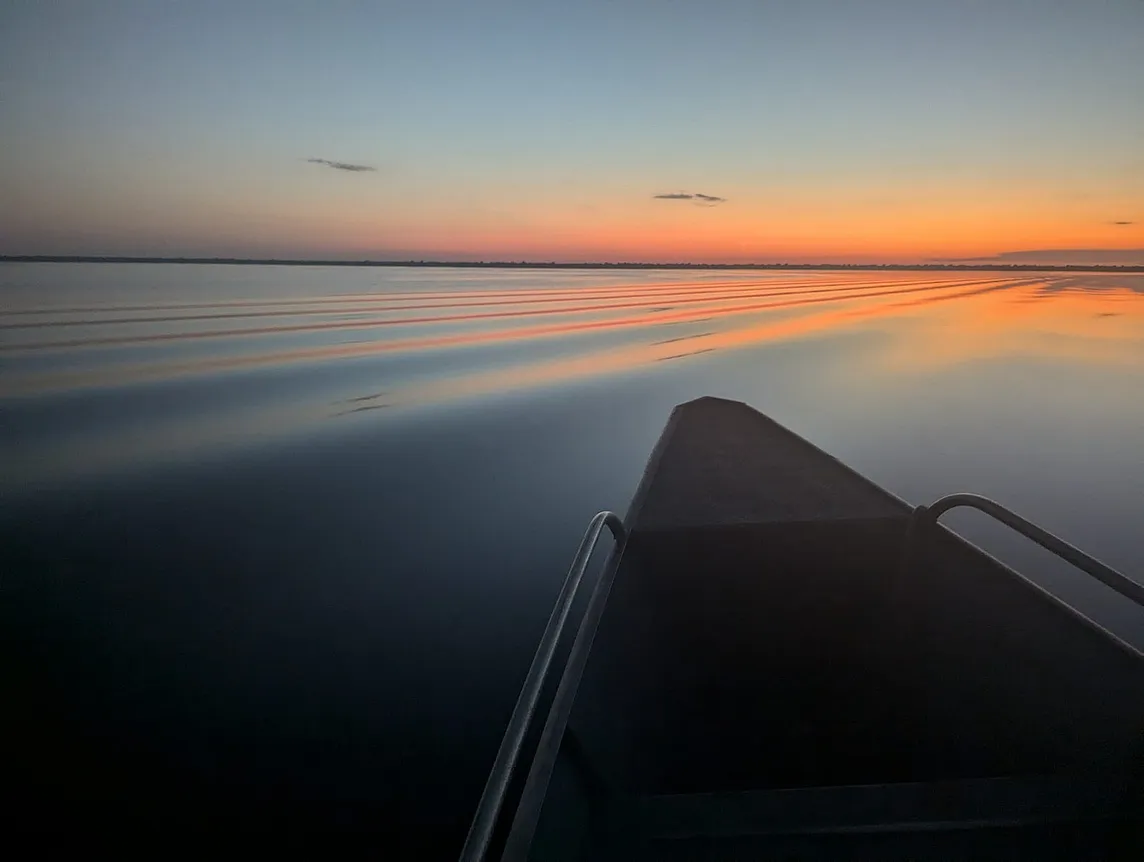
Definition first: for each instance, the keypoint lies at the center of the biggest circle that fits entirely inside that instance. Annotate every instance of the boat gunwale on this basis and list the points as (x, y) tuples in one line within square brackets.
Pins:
[(652, 469)]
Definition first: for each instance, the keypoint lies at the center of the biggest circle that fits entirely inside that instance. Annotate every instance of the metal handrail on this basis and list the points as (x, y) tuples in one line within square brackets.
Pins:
[(519, 841), (493, 796), (1107, 575)]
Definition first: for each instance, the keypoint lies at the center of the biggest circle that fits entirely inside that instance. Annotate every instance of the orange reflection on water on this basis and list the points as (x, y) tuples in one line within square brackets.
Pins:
[(736, 312), (622, 359), (929, 319), (788, 295), (1094, 319), (923, 322)]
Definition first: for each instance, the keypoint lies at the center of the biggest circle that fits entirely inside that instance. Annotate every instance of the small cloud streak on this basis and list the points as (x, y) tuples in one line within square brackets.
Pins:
[(694, 197), (1122, 223), (1061, 257), (342, 166)]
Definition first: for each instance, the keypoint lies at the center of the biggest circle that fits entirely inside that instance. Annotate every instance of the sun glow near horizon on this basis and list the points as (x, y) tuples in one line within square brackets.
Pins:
[(883, 131)]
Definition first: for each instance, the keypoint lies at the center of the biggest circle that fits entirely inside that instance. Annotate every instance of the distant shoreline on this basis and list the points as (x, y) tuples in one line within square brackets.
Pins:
[(238, 261)]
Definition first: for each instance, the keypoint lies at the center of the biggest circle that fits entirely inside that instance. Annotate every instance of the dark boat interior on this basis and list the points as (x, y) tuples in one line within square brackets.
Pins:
[(770, 681)]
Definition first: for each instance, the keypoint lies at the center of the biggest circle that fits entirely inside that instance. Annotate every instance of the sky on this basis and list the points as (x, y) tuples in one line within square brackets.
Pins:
[(638, 130)]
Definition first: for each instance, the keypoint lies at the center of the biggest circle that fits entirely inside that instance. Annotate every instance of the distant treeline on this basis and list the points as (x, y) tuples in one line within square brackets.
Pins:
[(522, 264)]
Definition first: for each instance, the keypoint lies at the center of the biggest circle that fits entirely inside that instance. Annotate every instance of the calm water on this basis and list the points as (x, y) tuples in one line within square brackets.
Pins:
[(278, 541)]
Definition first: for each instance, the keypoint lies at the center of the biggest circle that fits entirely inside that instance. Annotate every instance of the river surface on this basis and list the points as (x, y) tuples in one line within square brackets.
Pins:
[(278, 541)]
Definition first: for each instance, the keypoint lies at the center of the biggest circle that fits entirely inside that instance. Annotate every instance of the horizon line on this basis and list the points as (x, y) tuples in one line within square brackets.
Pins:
[(552, 264)]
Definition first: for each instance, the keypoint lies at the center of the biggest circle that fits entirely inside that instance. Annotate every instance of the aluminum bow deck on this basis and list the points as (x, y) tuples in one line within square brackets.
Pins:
[(756, 674)]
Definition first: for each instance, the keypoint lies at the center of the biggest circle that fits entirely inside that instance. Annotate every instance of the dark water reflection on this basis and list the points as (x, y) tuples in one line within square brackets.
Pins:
[(294, 577)]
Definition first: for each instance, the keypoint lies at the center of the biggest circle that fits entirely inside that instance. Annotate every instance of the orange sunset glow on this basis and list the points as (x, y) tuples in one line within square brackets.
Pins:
[(876, 132)]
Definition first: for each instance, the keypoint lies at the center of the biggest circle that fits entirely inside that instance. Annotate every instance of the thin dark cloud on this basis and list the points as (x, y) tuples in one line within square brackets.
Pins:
[(1061, 256), (694, 197), (1122, 223), (342, 166)]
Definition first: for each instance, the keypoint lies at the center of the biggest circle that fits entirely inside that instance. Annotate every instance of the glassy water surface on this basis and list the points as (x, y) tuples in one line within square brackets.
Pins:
[(279, 540)]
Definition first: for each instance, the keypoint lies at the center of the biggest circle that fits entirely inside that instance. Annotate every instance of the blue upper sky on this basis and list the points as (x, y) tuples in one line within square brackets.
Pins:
[(833, 129)]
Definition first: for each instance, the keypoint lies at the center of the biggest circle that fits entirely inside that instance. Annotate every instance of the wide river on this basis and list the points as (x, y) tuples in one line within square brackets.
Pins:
[(278, 541)]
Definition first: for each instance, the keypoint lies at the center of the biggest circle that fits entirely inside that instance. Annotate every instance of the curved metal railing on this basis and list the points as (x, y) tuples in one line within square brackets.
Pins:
[(496, 788), (928, 516), (532, 796)]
